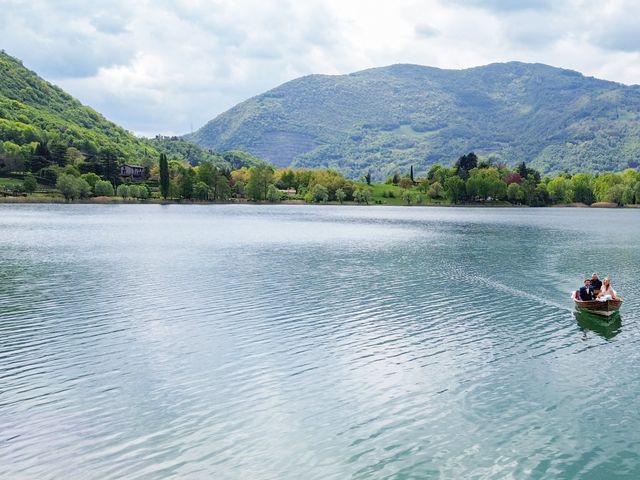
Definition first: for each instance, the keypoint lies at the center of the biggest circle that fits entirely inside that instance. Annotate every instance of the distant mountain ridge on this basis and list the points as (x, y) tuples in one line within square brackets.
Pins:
[(386, 119)]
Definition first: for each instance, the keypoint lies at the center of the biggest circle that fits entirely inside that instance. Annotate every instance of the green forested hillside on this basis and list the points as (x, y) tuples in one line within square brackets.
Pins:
[(181, 149), (386, 119), (176, 147), (42, 126), (33, 111)]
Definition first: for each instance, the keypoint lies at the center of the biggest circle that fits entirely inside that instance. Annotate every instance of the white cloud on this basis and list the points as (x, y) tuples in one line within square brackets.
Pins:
[(617, 28), (163, 66), (426, 30)]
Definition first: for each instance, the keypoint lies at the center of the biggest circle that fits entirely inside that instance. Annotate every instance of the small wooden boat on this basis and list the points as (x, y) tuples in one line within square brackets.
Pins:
[(606, 308)]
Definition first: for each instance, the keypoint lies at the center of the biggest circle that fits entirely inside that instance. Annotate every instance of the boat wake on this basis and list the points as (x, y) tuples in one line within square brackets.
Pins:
[(522, 293)]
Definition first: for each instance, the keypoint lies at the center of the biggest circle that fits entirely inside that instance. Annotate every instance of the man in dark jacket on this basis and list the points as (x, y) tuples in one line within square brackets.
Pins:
[(586, 292), (596, 284)]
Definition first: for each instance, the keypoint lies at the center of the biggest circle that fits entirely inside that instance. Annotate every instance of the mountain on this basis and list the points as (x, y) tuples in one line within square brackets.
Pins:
[(34, 110), (386, 119)]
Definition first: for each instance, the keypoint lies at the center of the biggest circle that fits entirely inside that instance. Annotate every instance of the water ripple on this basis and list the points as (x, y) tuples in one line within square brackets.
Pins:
[(256, 342)]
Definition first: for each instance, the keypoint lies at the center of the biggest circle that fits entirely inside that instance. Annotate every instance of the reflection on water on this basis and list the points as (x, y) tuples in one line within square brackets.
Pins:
[(149, 342), (606, 327)]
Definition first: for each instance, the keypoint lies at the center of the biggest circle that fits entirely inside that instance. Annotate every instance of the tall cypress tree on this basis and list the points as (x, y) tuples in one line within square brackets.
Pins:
[(164, 176), (411, 175)]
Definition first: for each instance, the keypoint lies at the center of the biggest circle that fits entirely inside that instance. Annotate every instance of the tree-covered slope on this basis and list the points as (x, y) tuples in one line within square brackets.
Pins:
[(178, 148), (386, 119), (181, 149), (33, 110)]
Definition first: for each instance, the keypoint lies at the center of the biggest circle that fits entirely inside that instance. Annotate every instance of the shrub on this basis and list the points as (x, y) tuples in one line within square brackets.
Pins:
[(91, 178), (408, 197), (134, 191), (435, 190), (273, 195), (72, 187), (320, 194), (143, 192), (515, 193), (123, 191), (406, 182), (85, 188), (362, 195), (103, 188), (29, 184)]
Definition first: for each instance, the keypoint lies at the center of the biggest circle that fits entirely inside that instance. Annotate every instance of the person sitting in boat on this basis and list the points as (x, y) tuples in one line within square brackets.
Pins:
[(575, 295), (596, 284), (607, 292), (586, 292)]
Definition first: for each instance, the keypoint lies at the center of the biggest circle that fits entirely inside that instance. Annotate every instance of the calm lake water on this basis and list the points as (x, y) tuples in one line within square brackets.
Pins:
[(287, 342)]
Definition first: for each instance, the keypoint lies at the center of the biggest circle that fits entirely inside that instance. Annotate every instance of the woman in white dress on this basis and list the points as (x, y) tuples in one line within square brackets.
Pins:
[(607, 289)]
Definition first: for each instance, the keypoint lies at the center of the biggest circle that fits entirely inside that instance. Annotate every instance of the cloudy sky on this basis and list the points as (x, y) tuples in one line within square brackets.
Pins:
[(169, 66)]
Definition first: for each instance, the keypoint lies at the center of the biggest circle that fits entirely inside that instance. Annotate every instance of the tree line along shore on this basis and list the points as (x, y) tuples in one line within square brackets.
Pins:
[(470, 181)]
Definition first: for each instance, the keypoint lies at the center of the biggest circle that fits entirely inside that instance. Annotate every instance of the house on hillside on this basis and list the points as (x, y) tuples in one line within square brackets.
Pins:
[(135, 172)]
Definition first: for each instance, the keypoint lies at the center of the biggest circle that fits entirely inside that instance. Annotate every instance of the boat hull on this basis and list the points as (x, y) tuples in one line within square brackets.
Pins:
[(605, 309)]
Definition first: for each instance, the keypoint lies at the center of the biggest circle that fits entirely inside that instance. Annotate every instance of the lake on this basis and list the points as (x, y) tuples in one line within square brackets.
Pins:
[(316, 342)]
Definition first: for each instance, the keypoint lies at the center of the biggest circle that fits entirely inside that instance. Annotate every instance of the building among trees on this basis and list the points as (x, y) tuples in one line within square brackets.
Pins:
[(135, 172)]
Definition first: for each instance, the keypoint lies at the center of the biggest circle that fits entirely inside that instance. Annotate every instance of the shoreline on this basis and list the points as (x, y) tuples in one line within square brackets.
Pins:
[(155, 201)]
